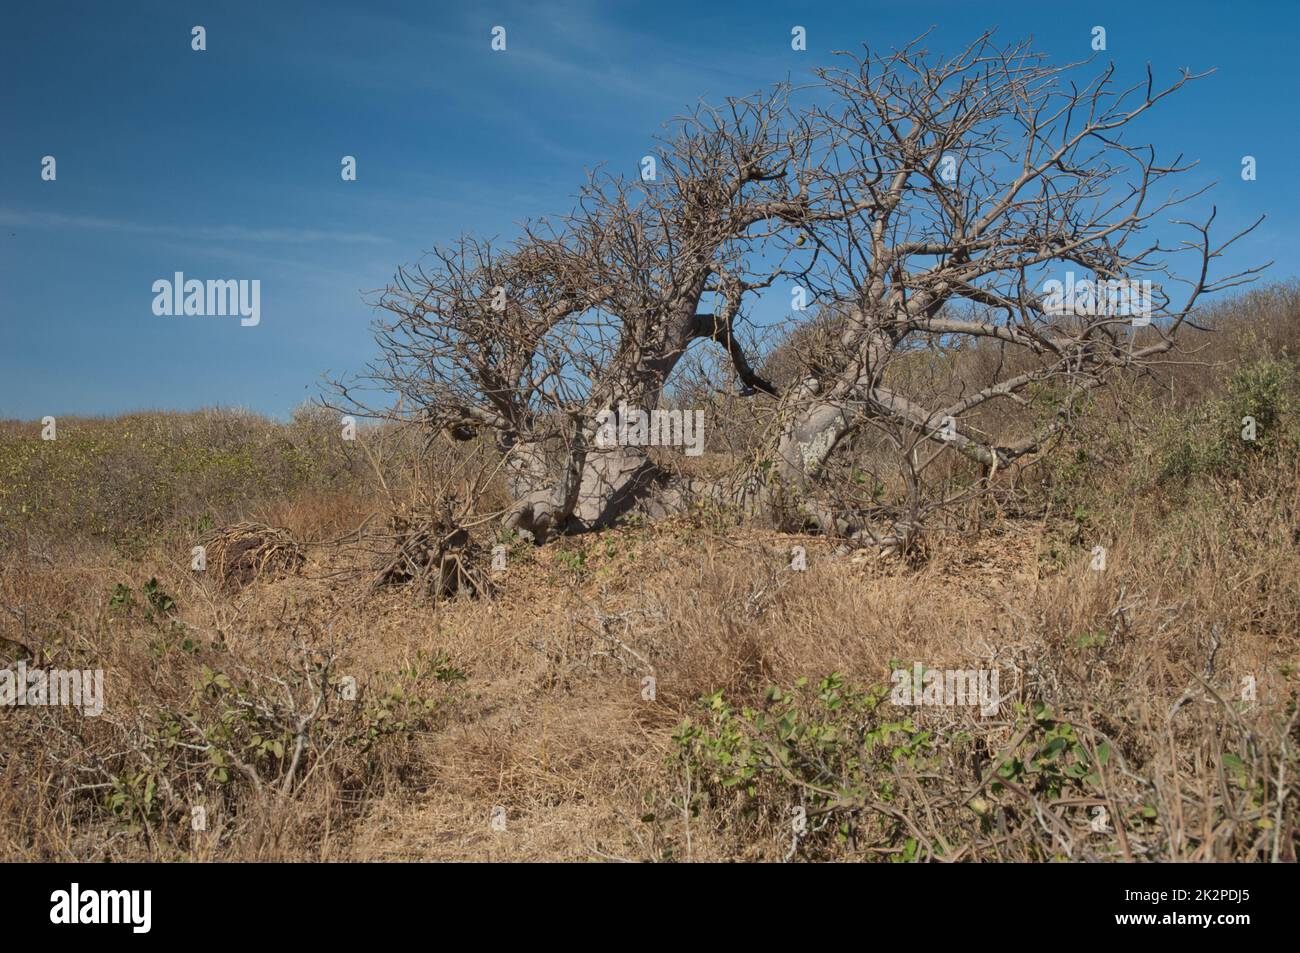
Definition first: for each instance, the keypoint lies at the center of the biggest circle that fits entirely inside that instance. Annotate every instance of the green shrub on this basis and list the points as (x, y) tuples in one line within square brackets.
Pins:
[(1214, 442), (868, 779)]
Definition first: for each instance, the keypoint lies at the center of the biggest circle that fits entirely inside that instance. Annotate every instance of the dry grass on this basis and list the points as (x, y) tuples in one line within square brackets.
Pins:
[(530, 704)]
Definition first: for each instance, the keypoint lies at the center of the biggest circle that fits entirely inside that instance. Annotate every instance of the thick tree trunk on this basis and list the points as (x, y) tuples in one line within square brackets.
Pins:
[(576, 484), (543, 478), (614, 480)]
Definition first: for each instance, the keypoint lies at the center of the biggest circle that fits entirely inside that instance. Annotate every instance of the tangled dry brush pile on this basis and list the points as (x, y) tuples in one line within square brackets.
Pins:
[(342, 679)]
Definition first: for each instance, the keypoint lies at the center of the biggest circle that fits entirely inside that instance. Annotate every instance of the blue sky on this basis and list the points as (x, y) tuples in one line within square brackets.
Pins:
[(225, 163)]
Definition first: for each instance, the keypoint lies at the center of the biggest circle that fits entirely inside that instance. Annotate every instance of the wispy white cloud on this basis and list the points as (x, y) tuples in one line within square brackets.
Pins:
[(234, 233)]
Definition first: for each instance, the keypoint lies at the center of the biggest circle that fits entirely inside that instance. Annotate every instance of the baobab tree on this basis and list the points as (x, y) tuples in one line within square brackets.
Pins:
[(593, 311), (996, 185), (925, 204)]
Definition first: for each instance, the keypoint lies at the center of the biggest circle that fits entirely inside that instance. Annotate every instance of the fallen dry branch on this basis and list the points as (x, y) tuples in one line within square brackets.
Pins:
[(244, 552), (436, 554)]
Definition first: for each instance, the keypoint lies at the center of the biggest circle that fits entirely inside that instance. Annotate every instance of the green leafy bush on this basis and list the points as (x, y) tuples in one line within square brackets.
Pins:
[(836, 770), (1214, 441)]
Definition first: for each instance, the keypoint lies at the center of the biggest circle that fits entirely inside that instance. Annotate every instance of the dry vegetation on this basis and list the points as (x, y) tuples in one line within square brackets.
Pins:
[(1123, 688)]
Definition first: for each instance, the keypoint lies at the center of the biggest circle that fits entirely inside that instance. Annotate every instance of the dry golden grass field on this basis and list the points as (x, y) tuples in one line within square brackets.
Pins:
[(668, 691)]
